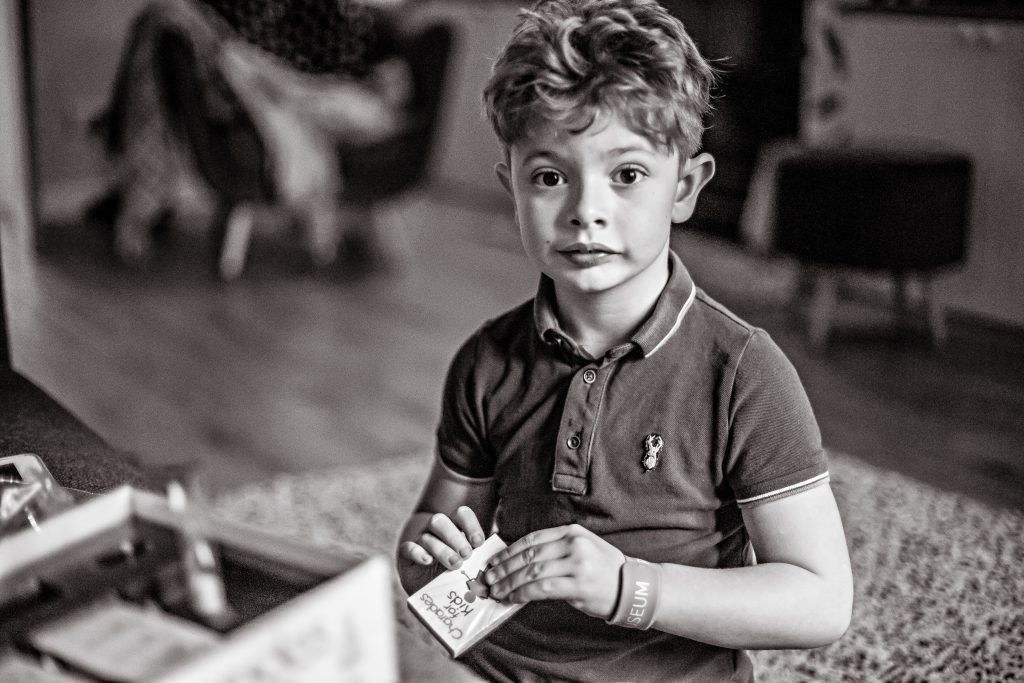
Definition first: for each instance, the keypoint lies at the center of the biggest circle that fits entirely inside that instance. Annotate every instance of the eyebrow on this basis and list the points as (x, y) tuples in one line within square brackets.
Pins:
[(614, 152), (539, 153), (619, 151)]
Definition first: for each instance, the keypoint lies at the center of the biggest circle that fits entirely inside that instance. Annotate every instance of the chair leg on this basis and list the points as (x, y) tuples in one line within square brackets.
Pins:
[(236, 241), (142, 206), (322, 225), (822, 305)]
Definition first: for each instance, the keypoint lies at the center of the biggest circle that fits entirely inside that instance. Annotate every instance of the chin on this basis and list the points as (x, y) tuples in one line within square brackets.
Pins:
[(589, 283)]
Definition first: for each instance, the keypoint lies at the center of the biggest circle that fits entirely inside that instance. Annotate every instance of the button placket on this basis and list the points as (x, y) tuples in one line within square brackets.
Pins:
[(579, 420)]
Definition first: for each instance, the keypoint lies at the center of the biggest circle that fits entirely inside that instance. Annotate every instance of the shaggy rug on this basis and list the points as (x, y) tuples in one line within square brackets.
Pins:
[(939, 578)]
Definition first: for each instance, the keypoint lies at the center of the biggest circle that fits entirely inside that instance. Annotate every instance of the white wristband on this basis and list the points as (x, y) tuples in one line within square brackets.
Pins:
[(639, 590)]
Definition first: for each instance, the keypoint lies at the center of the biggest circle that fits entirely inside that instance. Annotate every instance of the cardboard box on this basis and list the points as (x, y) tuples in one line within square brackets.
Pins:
[(304, 615), (456, 615)]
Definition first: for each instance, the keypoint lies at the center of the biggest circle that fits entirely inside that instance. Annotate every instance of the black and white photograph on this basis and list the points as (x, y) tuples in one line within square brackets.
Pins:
[(511, 340)]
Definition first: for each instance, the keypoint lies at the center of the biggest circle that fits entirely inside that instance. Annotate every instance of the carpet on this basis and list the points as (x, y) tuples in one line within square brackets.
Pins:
[(939, 578)]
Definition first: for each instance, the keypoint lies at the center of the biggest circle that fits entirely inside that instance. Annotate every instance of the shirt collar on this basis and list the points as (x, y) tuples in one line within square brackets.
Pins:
[(673, 303)]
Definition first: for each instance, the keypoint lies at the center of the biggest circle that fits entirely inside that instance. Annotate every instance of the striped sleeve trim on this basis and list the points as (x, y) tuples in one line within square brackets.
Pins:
[(784, 491)]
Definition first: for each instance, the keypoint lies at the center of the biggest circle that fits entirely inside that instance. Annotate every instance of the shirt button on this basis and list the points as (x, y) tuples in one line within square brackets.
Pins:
[(573, 441), (589, 376)]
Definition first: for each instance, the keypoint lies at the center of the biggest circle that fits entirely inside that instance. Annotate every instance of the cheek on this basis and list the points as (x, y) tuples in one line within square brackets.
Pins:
[(663, 209), (534, 241), (536, 217)]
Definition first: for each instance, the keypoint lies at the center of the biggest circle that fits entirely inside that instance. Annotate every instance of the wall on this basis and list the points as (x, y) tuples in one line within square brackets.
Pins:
[(13, 181), (11, 192), (76, 47), (15, 212), (467, 148)]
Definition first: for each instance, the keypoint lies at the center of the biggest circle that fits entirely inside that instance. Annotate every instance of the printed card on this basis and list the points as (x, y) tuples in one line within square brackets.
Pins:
[(121, 642), (453, 606)]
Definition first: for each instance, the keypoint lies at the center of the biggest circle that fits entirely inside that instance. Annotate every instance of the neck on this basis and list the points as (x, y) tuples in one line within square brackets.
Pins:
[(600, 321)]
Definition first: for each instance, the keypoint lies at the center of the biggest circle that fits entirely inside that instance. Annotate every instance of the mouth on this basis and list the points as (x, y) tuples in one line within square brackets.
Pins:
[(595, 248), (585, 255)]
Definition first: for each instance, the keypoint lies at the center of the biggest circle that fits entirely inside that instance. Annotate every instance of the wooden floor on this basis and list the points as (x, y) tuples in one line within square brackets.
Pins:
[(284, 370)]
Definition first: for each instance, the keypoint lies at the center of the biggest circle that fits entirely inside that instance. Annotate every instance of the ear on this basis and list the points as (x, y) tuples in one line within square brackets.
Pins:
[(504, 177), (693, 176)]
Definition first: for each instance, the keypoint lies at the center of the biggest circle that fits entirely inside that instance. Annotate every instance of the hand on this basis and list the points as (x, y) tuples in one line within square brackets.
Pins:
[(445, 539), (563, 563)]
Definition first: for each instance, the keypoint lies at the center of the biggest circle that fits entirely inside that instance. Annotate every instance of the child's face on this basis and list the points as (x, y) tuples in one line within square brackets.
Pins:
[(595, 209)]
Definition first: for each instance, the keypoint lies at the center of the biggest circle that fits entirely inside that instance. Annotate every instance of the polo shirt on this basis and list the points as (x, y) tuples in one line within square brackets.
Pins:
[(564, 437)]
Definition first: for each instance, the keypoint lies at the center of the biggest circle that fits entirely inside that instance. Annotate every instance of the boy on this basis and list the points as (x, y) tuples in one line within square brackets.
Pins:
[(631, 439)]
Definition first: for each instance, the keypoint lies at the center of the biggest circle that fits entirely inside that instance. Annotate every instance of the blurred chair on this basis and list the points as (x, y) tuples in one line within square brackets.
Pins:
[(891, 208), (231, 153)]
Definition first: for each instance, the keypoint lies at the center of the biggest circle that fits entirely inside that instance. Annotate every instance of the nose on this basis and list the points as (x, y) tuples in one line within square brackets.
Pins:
[(589, 206)]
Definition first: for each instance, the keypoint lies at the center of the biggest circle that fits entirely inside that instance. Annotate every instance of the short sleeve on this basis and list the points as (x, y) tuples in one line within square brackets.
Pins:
[(774, 447), (461, 433)]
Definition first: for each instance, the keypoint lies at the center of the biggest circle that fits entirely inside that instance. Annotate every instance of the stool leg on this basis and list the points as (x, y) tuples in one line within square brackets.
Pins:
[(935, 312), (822, 305), (900, 316), (899, 279), (803, 289), (802, 293)]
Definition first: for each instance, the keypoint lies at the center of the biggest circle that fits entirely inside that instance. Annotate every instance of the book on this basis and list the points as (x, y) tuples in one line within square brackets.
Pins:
[(454, 606)]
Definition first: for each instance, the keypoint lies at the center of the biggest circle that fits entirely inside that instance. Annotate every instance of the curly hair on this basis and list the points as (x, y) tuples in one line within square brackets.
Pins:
[(569, 61)]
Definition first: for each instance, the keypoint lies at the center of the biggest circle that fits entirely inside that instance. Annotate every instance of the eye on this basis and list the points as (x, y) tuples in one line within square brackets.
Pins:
[(547, 178), (629, 175)]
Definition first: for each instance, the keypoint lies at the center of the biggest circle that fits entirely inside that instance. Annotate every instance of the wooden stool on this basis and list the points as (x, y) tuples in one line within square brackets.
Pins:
[(899, 210)]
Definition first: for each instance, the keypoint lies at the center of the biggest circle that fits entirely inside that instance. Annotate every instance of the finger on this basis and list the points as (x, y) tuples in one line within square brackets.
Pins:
[(415, 553), (470, 525), (548, 588), (536, 538), (444, 528), (531, 555), (440, 551), (532, 573)]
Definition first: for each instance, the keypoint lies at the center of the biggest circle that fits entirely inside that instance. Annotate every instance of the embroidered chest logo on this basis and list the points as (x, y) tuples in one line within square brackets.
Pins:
[(653, 443)]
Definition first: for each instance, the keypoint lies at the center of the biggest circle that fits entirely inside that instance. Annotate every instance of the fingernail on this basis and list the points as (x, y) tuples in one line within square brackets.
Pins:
[(477, 540), (491, 577), (425, 559), (454, 561), (465, 551)]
